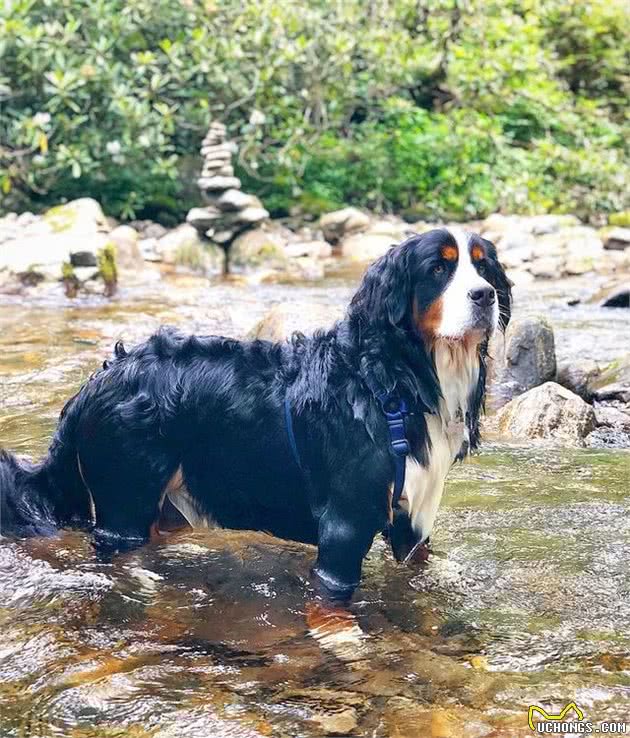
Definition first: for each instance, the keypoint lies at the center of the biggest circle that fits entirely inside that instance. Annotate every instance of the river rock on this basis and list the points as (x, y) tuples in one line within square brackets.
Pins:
[(530, 357), (128, 254), (312, 249), (617, 239), (549, 411), (202, 219), (44, 243), (341, 223), (219, 183), (614, 381), (183, 247), (77, 216), (578, 376), (366, 247), (285, 318), (237, 200), (261, 247)]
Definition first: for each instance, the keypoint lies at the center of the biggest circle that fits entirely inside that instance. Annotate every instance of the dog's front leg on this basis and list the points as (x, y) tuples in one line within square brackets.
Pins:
[(407, 544), (343, 541)]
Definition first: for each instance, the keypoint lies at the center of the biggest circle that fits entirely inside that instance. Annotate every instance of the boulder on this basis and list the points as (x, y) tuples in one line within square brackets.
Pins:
[(128, 254), (530, 357), (366, 247), (341, 223), (578, 376), (620, 219), (285, 318), (616, 239), (313, 249), (183, 247), (549, 411), (44, 243), (77, 216), (262, 247), (614, 381), (546, 267)]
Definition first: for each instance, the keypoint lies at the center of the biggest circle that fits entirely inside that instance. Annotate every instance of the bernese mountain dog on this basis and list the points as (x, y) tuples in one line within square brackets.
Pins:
[(200, 422)]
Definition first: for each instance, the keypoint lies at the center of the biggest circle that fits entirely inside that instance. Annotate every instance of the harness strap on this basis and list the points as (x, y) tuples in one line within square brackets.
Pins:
[(394, 408)]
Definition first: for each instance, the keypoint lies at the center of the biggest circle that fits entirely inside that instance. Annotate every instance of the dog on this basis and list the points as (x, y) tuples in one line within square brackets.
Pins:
[(289, 438)]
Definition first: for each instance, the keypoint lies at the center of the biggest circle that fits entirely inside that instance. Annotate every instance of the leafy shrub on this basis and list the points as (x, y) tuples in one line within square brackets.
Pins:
[(436, 107)]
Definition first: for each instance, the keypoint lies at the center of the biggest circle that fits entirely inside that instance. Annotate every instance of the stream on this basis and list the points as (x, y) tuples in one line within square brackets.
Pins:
[(525, 599)]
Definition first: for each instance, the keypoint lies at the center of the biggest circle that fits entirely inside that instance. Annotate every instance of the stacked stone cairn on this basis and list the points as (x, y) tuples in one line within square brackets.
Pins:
[(229, 211)]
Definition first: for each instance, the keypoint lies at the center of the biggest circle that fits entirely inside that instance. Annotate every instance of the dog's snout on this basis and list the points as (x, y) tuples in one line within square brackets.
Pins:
[(483, 296)]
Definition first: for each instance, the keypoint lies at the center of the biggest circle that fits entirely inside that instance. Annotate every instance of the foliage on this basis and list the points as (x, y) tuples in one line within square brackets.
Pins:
[(439, 107)]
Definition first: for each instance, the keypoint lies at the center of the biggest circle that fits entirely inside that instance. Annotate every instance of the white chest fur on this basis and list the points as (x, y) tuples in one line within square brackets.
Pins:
[(457, 367)]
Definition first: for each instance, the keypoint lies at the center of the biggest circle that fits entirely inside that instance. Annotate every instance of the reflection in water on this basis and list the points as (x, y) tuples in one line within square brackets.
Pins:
[(524, 600)]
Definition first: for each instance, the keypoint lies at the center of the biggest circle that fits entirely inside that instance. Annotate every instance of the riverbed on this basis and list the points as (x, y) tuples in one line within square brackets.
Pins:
[(525, 599)]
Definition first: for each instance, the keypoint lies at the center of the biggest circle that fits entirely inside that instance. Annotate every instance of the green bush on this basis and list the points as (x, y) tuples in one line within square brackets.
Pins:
[(436, 108)]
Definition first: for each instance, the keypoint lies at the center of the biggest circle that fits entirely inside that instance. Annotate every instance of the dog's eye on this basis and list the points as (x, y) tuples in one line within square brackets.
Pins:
[(481, 269), (439, 269)]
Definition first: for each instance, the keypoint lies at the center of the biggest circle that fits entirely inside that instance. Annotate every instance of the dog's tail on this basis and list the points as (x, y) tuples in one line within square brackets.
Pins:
[(38, 498)]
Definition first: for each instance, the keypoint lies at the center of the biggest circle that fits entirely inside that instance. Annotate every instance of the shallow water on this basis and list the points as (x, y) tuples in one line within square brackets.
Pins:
[(525, 600)]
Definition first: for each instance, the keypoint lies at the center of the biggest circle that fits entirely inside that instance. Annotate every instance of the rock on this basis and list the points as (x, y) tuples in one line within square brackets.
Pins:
[(312, 249), (183, 246), (253, 215), (237, 200), (219, 183), (614, 381), (304, 269), (285, 318), (77, 216), (548, 267), (128, 254), (617, 297), (366, 247), (617, 239), (578, 375), (515, 257), (203, 218), (549, 411), (341, 223), (148, 249), (83, 259), (497, 225), (148, 228), (530, 357), (620, 219), (613, 417), (260, 247)]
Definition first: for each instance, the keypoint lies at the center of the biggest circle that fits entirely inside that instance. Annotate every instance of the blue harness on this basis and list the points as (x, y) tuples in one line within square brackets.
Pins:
[(395, 410)]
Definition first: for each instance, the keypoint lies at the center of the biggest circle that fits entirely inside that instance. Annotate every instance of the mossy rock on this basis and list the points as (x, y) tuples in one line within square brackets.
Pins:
[(620, 219), (84, 214)]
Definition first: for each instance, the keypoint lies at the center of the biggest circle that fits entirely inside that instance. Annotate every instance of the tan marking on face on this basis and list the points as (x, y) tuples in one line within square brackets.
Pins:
[(428, 321), (450, 253), (477, 253)]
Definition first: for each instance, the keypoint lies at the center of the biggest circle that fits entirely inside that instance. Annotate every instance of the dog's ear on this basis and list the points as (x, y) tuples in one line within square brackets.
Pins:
[(501, 283), (384, 295)]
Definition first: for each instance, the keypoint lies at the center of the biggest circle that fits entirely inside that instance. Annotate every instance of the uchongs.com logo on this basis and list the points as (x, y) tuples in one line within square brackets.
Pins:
[(570, 721)]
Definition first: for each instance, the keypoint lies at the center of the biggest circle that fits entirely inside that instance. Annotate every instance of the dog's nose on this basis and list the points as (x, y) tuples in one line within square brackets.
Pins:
[(484, 296)]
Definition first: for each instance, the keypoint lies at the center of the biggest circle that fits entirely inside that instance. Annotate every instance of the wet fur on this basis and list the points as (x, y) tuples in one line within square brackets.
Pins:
[(205, 416)]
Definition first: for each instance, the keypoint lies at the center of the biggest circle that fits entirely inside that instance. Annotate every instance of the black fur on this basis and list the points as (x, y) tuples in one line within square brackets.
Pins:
[(214, 406)]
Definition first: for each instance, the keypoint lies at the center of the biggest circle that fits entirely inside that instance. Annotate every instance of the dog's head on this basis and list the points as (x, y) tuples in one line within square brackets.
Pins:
[(443, 284)]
